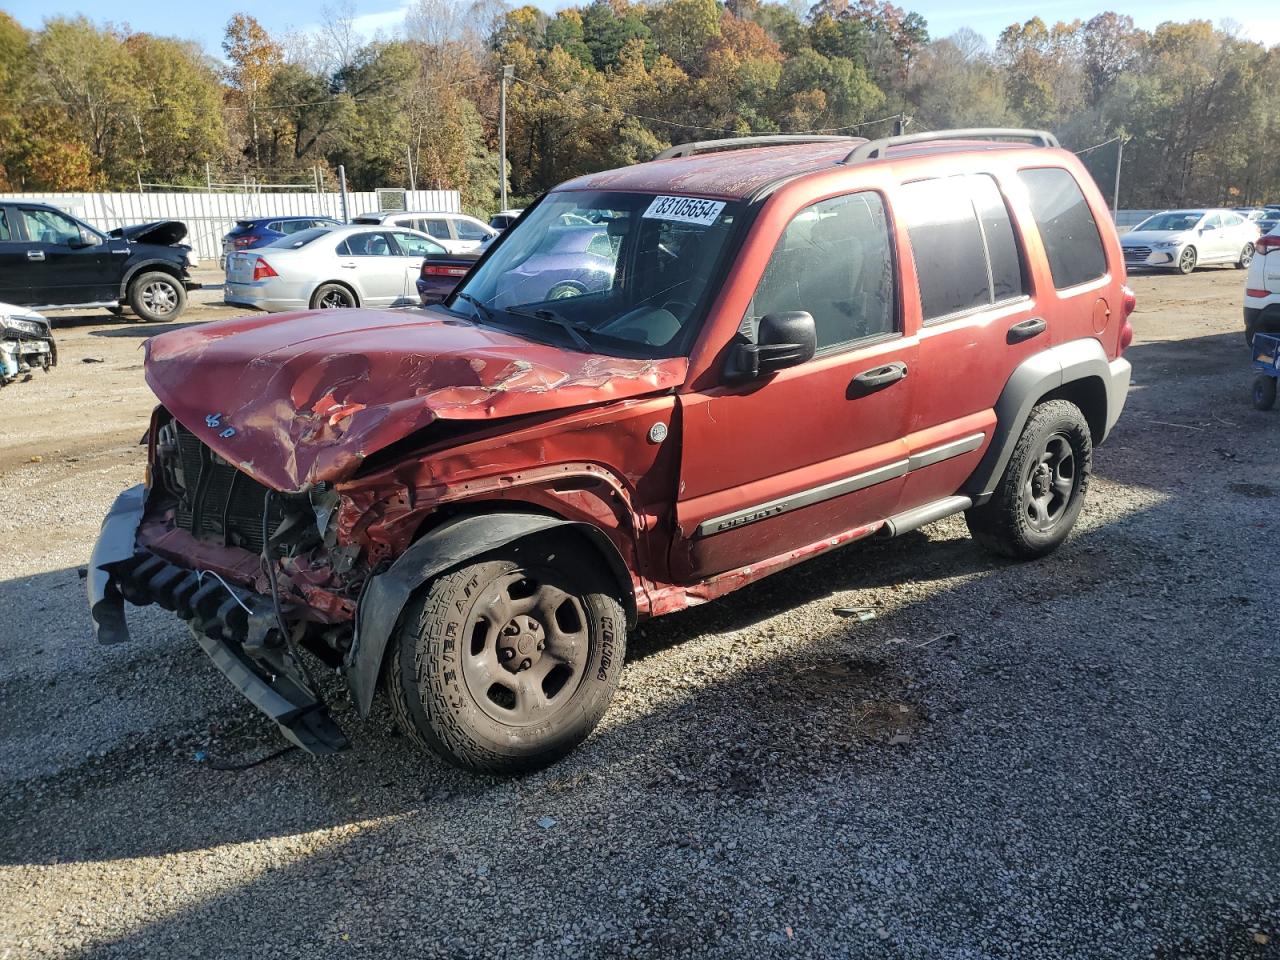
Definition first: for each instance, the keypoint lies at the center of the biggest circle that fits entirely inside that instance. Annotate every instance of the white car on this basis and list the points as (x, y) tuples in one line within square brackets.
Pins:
[(330, 267), (1185, 239), (456, 232), (1262, 289)]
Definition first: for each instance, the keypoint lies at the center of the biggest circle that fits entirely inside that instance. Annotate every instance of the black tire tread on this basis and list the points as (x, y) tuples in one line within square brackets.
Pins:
[(135, 296), (999, 525)]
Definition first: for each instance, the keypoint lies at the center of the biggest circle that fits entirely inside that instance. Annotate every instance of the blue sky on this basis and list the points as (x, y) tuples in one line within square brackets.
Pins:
[(204, 22)]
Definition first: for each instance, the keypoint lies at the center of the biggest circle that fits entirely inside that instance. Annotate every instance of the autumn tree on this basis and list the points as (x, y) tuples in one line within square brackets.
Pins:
[(253, 58)]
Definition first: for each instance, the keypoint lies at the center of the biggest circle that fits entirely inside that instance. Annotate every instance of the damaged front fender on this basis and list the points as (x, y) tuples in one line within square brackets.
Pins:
[(115, 543)]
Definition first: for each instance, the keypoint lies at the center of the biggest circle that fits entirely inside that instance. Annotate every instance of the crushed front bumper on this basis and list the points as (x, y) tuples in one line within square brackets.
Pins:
[(236, 628)]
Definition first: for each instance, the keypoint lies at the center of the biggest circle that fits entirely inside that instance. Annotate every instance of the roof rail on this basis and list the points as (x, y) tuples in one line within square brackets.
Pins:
[(875, 149), (736, 143)]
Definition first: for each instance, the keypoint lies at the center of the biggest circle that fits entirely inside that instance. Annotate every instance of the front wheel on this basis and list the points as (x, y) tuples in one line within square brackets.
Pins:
[(509, 662), (1040, 495), (1187, 260), (157, 297), (1246, 257)]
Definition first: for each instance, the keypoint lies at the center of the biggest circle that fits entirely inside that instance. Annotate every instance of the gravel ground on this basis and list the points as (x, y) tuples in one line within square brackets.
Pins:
[(1074, 757)]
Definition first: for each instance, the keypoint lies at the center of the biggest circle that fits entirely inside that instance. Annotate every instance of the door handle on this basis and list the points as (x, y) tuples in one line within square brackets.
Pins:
[(35, 254), (878, 378), (348, 266), (1025, 330)]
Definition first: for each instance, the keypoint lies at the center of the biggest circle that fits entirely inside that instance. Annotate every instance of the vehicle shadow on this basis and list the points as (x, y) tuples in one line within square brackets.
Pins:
[(136, 328)]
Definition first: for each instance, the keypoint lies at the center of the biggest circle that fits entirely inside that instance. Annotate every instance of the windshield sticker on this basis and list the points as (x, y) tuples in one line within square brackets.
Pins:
[(685, 209)]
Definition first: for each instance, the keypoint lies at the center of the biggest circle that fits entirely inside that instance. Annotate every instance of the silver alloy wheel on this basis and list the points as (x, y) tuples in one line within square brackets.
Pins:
[(1187, 260), (160, 297), (1246, 255), (334, 300)]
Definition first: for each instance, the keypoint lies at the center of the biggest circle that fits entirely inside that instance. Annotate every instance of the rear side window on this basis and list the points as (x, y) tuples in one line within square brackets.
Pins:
[(469, 231), (4, 228), (966, 254), (1066, 225), (834, 262), (437, 228)]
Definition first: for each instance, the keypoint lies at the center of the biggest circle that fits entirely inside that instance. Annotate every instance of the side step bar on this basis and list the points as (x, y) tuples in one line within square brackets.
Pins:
[(913, 519)]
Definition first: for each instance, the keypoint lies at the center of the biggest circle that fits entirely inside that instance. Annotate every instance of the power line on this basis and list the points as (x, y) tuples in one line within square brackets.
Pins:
[(1080, 153)]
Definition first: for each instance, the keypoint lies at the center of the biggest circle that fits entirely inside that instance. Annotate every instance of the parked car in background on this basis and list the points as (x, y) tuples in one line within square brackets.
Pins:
[(1182, 240), (456, 232), (468, 506), (505, 218), (568, 261), (330, 267), (26, 344), (440, 274), (1270, 218), (48, 258), (1251, 213), (1262, 288), (259, 231)]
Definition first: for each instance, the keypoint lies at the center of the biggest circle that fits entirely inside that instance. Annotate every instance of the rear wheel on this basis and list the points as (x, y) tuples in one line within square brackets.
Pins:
[(509, 662), (1187, 260), (332, 296), (1040, 495), (1246, 257), (157, 297), (1264, 392)]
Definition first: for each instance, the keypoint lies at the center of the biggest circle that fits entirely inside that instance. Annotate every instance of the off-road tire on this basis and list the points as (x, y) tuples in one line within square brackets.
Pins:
[(433, 695), (157, 296), (327, 296), (1187, 261), (1004, 524), (1264, 392), (1246, 257)]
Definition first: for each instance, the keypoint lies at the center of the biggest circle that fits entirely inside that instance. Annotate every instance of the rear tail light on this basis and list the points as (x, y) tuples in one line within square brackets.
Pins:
[(262, 270), (1129, 300), (1266, 244), (246, 241), (431, 270), (1251, 292)]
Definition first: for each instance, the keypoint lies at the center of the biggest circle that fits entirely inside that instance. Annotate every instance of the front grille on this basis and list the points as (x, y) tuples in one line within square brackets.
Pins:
[(1137, 253), (217, 502)]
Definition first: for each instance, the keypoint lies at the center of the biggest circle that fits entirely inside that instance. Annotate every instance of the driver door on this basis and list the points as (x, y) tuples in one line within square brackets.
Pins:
[(817, 449), (375, 267), (66, 262), (411, 250)]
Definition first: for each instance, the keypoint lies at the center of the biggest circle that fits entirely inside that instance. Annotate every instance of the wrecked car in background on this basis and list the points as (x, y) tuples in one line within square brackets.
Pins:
[(50, 259), (26, 344), (469, 504)]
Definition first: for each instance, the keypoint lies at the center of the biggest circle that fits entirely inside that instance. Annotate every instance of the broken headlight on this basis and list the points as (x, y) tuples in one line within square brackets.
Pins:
[(32, 328)]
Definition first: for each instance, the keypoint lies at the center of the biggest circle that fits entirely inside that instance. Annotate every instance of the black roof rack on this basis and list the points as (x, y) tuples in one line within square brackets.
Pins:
[(737, 143), (875, 149)]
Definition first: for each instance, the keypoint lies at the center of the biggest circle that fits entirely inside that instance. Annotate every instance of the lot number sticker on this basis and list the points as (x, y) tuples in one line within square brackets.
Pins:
[(685, 209)]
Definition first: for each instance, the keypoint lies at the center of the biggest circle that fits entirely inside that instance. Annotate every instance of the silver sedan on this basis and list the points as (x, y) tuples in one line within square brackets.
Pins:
[(330, 267), (1184, 239)]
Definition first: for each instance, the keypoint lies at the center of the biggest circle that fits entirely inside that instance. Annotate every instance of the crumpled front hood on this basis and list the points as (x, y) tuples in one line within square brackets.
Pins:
[(162, 232), (294, 399), (1146, 238)]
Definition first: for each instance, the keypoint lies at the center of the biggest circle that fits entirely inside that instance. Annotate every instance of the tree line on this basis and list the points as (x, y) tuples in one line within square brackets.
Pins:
[(100, 107)]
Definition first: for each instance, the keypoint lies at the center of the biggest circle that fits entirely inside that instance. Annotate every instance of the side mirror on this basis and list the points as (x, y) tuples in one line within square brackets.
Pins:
[(783, 340), (86, 239)]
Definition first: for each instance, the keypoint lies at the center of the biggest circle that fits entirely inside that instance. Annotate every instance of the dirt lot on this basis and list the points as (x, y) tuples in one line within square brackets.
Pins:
[(1073, 757)]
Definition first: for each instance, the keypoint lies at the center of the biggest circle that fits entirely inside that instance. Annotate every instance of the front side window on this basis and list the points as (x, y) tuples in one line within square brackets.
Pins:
[(833, 261), (612, 272), (49, 226), (1067, 228), (437, 228), (412, 245)]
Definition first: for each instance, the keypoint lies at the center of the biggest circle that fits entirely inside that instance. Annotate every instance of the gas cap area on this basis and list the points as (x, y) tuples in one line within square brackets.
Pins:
[(1101, 314)]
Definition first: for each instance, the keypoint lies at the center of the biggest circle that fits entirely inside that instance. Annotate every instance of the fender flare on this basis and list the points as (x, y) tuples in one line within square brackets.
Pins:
[(1030, 381), (134, 269), (447, 546)]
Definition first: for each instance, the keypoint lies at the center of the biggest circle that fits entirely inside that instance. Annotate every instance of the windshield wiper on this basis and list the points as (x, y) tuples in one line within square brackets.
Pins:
[(550, 316), (480, 306)]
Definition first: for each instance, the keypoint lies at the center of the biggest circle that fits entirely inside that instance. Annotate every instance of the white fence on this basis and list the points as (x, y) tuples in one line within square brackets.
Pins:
[(210, 215)]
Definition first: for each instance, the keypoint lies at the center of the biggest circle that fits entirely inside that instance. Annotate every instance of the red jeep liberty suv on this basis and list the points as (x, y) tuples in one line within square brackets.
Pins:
[(785, 344)]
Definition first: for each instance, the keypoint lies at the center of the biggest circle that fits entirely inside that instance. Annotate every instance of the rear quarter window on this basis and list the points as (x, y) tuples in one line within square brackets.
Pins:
[(1067, 228)]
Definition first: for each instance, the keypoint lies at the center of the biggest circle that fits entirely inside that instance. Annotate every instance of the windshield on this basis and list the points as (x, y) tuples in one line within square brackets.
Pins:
[(1171, 221), (300, 239), (625, 273)]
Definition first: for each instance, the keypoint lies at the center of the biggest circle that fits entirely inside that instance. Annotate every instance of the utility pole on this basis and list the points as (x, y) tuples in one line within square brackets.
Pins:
[(408, 155), (342, 188), (1115, 197), (508, 71), (900, 123)]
